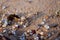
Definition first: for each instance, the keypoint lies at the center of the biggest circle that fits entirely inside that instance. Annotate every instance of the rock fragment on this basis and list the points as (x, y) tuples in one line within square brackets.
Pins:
[(53, 25)]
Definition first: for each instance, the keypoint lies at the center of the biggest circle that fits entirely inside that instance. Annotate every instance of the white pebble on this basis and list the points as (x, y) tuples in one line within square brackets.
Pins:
[(16, 25), (43, 23), (44, 19), (46, 26), (24, 26), (3, 7), (4, 31), (36, 38)]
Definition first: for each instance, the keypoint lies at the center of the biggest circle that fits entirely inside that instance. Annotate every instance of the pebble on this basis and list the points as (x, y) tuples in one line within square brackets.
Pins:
[(3, 7), (4, 31), (20, 23), (30, 1), (37, 38), (53, 25), (42, 37), (42, 22), (23, 37), (49, 35), (13, 32), (23, 18), (46, 26), (28, 31), (39, 25), (58, 13), (44, 19), (41, 33), (13, 27), (57, 38), (25, 33), (1, 34), (24, 26), (16, 25)]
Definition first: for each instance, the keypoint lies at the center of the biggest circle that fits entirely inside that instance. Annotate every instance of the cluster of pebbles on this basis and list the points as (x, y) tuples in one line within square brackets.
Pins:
[(21, 26), (12, 27)]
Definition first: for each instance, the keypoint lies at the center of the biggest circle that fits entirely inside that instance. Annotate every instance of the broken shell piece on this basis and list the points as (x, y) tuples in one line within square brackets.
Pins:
[(46, 26)]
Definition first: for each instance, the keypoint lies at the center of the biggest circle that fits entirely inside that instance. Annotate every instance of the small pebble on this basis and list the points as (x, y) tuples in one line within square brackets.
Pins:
[(16, 25), (46, 26), (49, 35), (24, 26), (41, 33), (53, 25), (23, 18), (58, 13), (44, 20), (30, 1), (43, 23), (37, 38), (3, 7), (4, 31)]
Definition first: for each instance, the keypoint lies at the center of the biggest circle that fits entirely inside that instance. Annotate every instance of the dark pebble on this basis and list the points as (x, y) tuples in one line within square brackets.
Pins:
[(53, 25)]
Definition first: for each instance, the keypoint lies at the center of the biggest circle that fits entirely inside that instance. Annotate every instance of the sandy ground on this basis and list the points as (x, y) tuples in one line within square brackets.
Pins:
[(48, 7)]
